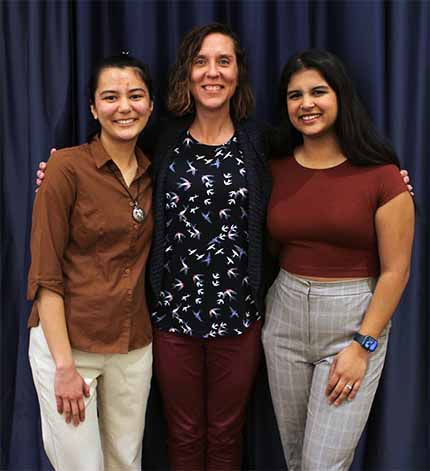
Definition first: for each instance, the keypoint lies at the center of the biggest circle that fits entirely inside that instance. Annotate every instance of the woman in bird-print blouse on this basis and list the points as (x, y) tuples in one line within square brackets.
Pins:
[(211, 189)]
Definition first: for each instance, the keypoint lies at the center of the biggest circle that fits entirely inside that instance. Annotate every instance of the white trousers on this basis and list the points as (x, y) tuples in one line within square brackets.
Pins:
[(111, 436)]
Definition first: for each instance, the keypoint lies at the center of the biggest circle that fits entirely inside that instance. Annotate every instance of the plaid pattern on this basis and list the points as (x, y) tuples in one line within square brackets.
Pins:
[(307, 324)]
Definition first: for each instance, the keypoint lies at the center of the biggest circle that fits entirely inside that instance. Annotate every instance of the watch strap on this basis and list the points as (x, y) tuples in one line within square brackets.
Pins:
[(366, 341)]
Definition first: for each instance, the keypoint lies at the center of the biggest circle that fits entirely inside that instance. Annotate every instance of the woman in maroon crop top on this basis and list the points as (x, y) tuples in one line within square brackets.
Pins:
[(343, 220)]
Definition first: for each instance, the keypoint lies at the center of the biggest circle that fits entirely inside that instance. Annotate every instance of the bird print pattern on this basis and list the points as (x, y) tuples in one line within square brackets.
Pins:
[(205, 290)]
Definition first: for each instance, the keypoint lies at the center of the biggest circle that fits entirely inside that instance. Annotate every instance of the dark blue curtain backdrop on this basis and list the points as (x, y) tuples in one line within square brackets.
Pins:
[(46, 52)]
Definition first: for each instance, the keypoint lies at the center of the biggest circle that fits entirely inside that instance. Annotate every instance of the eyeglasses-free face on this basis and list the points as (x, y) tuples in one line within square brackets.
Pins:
[(311, 103), (214, 73), (122, 104)]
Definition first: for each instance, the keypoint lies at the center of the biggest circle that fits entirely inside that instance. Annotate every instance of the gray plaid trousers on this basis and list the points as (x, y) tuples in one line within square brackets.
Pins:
[(307, 324)]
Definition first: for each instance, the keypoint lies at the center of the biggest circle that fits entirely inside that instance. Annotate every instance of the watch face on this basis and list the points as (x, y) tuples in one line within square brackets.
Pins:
[(370, 344)]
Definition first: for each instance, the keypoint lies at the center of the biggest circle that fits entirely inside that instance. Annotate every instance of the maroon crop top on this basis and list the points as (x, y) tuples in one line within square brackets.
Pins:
[(324, 219)]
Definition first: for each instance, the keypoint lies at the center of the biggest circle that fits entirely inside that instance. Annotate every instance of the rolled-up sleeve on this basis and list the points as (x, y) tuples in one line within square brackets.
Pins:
[(50, 226)]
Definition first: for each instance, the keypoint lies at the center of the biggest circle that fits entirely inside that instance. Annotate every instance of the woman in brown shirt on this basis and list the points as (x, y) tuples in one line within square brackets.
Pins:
[(90, 337)]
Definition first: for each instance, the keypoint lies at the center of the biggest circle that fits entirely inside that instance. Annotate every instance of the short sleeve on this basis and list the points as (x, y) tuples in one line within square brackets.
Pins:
[(50, 225), (391, 184)]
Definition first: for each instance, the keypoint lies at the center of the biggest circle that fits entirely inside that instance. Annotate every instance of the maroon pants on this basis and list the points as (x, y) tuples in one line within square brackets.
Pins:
[(206, 384)]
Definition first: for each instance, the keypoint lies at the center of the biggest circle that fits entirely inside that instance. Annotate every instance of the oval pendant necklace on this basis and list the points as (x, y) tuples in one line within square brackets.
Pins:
[(137, 213)]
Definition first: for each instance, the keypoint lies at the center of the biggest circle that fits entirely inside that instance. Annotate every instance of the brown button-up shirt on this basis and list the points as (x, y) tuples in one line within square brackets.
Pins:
[(86, 247)]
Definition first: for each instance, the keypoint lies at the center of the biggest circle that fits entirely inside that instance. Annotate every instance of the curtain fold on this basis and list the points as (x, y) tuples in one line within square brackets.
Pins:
[(46, 52)]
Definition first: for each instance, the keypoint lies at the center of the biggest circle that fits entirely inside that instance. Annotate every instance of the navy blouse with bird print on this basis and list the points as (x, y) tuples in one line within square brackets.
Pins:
[(205, 291)]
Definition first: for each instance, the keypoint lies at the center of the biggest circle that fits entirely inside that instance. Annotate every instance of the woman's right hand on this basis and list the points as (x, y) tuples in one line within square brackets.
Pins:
[(40, 173), (70, 390)]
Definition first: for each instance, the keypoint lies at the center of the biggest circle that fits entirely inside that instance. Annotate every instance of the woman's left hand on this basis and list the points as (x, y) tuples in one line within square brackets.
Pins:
[(346, 373)]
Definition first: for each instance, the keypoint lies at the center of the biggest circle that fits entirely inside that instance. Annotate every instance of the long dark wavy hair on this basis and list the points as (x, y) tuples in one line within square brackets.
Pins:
[(180, 101), (357, 136)]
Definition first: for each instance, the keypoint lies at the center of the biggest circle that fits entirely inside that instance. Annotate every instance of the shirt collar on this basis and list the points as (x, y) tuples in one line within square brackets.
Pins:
[(101, 157)]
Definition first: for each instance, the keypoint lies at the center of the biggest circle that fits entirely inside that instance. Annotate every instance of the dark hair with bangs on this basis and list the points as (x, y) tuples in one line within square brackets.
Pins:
[(180, 101), (357, 136)]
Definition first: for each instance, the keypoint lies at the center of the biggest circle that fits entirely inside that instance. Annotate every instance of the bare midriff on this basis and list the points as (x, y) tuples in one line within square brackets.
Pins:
[(326, 279)]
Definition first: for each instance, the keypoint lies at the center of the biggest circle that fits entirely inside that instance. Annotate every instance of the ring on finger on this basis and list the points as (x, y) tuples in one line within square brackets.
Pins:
[(348, 386)]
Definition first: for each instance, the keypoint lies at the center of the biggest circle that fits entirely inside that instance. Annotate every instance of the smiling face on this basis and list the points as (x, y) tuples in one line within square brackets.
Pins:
[(122, 104), (214, 74), (311, 103)]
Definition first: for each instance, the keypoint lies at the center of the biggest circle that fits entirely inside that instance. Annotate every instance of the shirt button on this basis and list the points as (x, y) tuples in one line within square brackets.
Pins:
[(129, 292), (127, 271), (131, 203), (135, 226)]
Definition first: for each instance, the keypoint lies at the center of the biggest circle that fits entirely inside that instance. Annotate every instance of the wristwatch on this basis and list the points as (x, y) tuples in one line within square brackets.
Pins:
[(366, 341)]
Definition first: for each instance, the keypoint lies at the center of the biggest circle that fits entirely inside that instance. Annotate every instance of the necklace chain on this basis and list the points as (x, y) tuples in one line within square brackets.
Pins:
[(137, 213)]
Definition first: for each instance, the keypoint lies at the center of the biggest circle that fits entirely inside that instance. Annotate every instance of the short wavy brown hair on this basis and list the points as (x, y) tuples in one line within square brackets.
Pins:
[(180, 102)]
